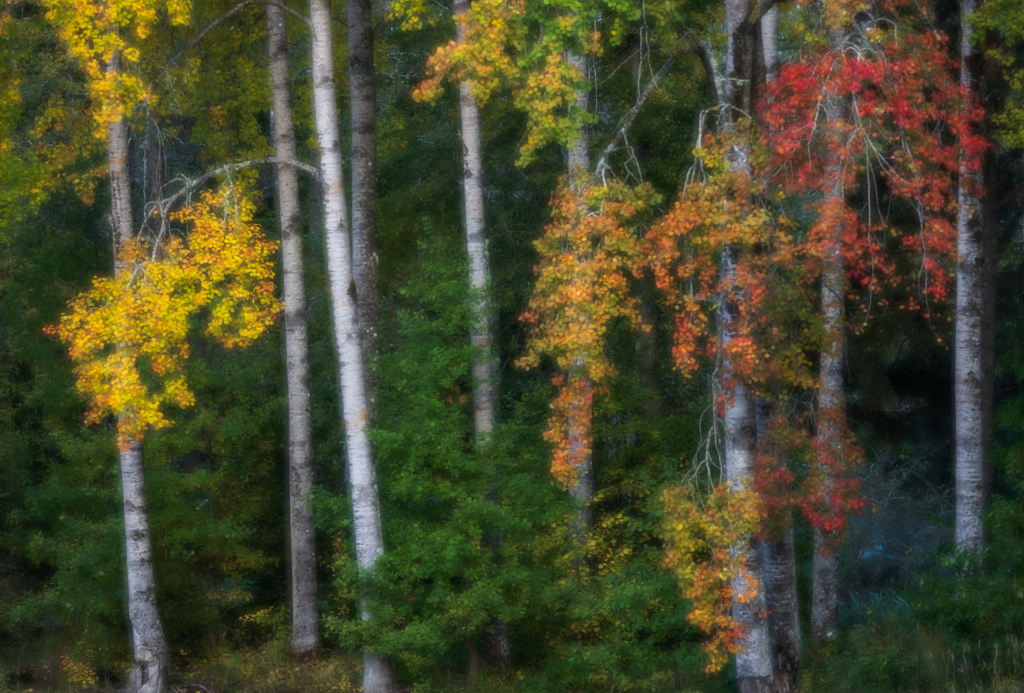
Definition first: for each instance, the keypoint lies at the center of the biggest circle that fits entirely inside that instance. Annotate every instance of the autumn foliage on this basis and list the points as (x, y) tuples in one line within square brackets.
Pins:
[(588, 252), (702, 538), (129, 335)]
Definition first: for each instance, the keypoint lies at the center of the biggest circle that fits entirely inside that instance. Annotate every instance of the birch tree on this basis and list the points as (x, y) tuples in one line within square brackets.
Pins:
[(302, 528), (973, 351), (753, 660), (378, 676)]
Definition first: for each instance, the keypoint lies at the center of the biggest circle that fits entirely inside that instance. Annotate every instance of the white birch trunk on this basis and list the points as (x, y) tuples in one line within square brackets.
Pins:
[(302, 528), (149, 674), (825, 600), (498, 648), (753, 661), (378, 676), (476, 246), (973, 347)]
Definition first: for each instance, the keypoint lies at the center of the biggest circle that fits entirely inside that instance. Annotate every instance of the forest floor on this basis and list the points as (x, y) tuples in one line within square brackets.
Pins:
[(882, 657)]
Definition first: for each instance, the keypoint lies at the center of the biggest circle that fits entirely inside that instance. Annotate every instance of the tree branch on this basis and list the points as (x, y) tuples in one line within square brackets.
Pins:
[(214, 23), (627, 122), (165, 204), (754, 16)]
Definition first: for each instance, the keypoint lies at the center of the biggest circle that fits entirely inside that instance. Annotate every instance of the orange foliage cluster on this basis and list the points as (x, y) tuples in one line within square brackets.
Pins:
[(129, 334), (702, 542), (588, 253), (772, 325)]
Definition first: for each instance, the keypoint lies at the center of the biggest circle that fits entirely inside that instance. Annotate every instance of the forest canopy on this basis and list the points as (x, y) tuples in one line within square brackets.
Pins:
[(511, 345)]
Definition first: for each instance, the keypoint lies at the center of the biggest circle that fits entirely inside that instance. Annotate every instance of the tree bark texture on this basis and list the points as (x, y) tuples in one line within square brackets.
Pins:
[(780, 589), (770, 43), (497, 650), (149, 674), (154, 174), (582, 487), (974, 318), (378, 676), (363, 98), (579, 151), (302, 528), (825, 603), (476, 246), (753, 661)]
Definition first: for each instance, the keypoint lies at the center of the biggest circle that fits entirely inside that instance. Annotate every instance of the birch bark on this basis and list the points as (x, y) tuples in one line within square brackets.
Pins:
[(753, 661), (302, 528), (825, 590), (974, 317), (363, 99), (378, 676), (498, 648), (149, 674)]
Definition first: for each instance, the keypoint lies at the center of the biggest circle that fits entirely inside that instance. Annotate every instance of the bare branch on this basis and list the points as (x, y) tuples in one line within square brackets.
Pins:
[(627, 122), (214, 23), (165, 204)]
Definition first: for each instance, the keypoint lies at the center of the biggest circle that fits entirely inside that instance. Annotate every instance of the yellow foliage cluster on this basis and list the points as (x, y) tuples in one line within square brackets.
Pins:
[(129, 334), (702, 542), (99, 35), (500, 49)]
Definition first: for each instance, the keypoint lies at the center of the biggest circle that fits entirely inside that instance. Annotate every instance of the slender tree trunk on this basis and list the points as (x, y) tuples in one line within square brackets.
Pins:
[(780, 589), (582, 487), (378, 675), (770, 43), (825, 599), (363, 97), (497, 648), (780, 552), (302, 527), (753, 661), (154, 174), (974, 317), (149, 675), (579, 151), (476, 245)]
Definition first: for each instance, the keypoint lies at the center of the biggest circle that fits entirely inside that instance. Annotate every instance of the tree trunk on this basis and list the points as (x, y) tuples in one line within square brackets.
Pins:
[(825, 602), (497, 647), (476, 245), (149, 674), (779, 552), (974, 317), (378, 676), (753, 661), (770, 43), (154, 174), (582, 487), (300, 468), (363, 97), (579, 151)]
